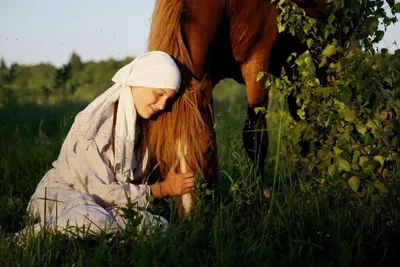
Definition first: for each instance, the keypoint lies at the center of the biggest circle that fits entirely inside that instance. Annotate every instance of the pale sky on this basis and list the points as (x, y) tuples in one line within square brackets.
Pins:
[(34, 31)]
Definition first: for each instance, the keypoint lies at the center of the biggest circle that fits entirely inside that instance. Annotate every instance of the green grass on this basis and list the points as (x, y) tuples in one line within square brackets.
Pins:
[(295, 227)]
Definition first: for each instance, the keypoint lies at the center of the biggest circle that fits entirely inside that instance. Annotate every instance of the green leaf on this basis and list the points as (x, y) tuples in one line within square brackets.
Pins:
[(310, 42), (356, 156), (312, 21), (332, 170), (362, 193), (323, 62), (326, 33), (385, 173), (381, 187), (344, 165), (371, 124), (345, 92), (345, 96), (354, 183), (383, 116), (363, 160), (349, 115), (379, 159), (355, 167), (331, 18), (291, 30), (373, 25), (278, 83), (267, 83), (301, 113), (362, 129), (396, 7), (329, 50), (370, 189), (150, 198), (369, 165), (395, 141), (308, 61), (306, 27), (363, 175), (337, 151), (259, 76), (281, 28), (379, 35)]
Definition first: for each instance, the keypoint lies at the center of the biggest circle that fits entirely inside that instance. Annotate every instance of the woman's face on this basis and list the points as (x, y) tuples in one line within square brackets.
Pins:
[(149, 101)]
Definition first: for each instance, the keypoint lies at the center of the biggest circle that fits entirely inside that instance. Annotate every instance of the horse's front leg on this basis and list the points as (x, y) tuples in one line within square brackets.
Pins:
[(255, 139), (255, 135)]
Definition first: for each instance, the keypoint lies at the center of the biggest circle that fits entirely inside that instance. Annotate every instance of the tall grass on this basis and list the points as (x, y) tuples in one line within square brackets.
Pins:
[(295, 227)]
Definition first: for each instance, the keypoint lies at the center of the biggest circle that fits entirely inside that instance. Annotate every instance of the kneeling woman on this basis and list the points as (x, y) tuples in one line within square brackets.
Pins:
[(103, 160)]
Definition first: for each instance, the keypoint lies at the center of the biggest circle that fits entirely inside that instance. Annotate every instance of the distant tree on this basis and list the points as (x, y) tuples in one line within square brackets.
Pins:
[(63, 75), (3, 73), (46, 91), (76, 62), (12, 74), (3, 65), (75, 80), (7, 95)]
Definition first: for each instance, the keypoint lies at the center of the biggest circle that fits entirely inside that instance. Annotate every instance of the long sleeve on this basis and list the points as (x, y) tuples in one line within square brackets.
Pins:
[(83, 166), (101, 182)]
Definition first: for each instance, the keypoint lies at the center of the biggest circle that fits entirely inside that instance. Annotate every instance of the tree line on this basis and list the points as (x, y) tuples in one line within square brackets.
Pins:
[(46, 84)]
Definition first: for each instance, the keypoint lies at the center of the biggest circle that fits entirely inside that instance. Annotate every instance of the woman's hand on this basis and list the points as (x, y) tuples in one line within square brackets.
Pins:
[(177, 183), (174, 184)]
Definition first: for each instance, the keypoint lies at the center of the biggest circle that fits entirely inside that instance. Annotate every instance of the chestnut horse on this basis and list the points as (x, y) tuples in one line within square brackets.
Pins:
[(212, 40)]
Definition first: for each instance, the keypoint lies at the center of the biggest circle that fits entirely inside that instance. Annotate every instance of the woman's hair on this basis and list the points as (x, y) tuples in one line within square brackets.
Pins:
[(140, 150), (143, 146)]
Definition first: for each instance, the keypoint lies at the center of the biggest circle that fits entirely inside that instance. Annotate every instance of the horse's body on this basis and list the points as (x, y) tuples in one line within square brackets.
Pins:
[(212, 40)]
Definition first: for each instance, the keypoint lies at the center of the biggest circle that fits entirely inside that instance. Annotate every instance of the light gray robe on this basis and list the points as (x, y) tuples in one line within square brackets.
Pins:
[(88, 182)]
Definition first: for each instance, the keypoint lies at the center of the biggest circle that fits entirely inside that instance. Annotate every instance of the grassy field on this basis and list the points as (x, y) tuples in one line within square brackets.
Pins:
[(295, 227)]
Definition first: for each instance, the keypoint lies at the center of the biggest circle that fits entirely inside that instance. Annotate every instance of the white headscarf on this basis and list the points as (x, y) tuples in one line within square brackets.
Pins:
[(154, 69)]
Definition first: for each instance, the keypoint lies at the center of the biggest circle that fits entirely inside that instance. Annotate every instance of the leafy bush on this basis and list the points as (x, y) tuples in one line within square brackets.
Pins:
[(350, 119)]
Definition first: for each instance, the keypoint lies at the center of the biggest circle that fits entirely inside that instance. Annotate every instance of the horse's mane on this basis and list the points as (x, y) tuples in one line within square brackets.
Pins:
[(165, 31), (182, 121)]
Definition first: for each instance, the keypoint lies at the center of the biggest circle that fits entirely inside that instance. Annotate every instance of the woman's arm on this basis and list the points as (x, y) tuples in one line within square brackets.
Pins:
[(96, 176), (156, 190), (92, 169), (174, 184)]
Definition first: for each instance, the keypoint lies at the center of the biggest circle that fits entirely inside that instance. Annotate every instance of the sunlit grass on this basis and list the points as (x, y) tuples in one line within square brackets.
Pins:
[(295, 227)]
